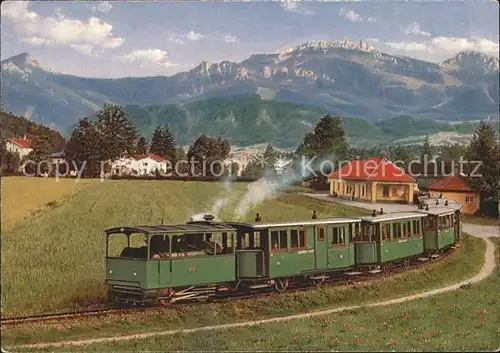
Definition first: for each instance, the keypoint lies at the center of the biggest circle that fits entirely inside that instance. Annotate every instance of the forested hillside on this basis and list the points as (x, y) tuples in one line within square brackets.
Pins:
[(248, 119)]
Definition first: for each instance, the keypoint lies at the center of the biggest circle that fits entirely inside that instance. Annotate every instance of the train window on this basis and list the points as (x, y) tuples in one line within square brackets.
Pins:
[(396, 231), (256, 236), (294, 239), (302, 239), (321, 233), (416, 227), (386, 231), (275, 240), (338, 236), (408, 229), (283, 240)]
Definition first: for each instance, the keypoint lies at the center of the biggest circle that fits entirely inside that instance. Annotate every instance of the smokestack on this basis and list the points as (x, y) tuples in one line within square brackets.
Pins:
[(257, 218), (374, 214), (314, 216)]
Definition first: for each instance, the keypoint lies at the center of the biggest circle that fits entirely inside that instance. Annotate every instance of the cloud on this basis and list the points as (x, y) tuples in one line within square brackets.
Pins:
[(36, 41), (190, 36), (294, 6), (104, 6), (354, 17), (148, 56), (86, 49), (446, 46), (18, 11), (230, 39), (59, 30), (414, 28)]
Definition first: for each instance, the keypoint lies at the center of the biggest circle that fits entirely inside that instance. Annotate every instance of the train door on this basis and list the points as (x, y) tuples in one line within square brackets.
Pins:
[(320, 247)]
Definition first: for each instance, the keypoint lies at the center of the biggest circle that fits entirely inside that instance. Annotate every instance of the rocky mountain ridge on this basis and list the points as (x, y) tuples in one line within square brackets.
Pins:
[(343, 77)]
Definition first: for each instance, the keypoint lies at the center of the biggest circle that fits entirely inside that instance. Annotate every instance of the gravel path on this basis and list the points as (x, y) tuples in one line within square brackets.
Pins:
[(486, 270)]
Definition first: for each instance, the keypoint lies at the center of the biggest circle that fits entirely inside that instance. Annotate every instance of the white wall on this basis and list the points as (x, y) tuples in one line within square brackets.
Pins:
[(13, 147)]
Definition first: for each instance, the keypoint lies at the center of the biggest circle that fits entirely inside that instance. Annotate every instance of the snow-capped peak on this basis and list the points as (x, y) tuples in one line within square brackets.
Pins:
[(319, 45)]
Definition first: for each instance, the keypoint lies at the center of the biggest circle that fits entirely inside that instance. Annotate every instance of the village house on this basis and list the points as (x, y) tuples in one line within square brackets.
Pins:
[(141, 164), (454, 187), (373, 180), (21, 146)]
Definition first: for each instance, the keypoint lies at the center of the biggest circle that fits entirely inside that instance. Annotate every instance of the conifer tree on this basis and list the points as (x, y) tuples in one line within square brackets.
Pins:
[(118, 133), (426, 150), (169, 148), (156, 142), (42, 149), (484, 147), (83, 147), (142, 145)]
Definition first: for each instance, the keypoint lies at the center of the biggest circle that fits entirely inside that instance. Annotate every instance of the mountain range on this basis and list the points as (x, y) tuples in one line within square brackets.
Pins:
[(341, 77)]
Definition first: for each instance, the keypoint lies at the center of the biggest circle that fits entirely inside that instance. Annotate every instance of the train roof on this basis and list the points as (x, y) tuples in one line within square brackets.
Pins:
[(191, 227), (431, 202), (306, 222), (439, 211), (392, 216)]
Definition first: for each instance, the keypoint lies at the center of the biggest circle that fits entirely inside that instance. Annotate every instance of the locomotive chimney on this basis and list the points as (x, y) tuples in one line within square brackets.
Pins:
[(257, 218)]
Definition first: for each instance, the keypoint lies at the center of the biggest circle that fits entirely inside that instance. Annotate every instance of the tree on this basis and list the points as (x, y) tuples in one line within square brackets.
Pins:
[(118, 133), (168, 145), (83, 147), (453, 152), (10, 162), (269, 157), (156, 142), (207, 155), (485, 147), (327, 142), (142, 145), (329, 138), (40, 156), (426, 150)]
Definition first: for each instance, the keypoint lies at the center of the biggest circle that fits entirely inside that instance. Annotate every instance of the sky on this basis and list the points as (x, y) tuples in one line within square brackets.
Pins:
[(123, 39)]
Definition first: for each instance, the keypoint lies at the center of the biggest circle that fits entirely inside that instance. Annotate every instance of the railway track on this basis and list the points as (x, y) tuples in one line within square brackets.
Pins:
[(293, 287)]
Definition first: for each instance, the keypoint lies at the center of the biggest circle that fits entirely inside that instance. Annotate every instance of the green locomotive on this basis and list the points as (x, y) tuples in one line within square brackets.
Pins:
[(202, 259)]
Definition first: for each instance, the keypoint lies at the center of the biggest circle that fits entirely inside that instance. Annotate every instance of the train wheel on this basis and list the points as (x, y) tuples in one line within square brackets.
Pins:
[(281, 284), (165, 302), (406, 263), (386, 267), (318, 281)]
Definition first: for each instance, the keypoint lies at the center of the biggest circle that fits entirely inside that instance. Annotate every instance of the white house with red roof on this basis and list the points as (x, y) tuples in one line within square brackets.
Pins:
[(21, 146), (374, 180), (140, 164)]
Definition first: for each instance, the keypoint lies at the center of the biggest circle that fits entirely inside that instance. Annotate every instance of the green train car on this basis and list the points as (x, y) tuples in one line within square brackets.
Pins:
[(388, 239), (442, 228), (203, 259)]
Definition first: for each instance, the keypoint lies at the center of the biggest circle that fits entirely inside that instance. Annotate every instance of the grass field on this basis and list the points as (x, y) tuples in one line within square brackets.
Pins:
[(23, 197), (462, 320), (54, 259), (481, 220), (460, 265)]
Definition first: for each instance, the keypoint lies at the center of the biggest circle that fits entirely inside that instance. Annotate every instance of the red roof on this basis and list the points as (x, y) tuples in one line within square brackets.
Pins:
[(451, 183), (375, 168), (150, 155), (24, 143)]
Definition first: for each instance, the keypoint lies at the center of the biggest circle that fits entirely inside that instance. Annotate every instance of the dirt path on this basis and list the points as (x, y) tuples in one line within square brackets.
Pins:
[(487, 269)]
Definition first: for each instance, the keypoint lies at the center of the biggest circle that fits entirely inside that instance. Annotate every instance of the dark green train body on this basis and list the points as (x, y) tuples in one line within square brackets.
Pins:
[(199, 260)]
